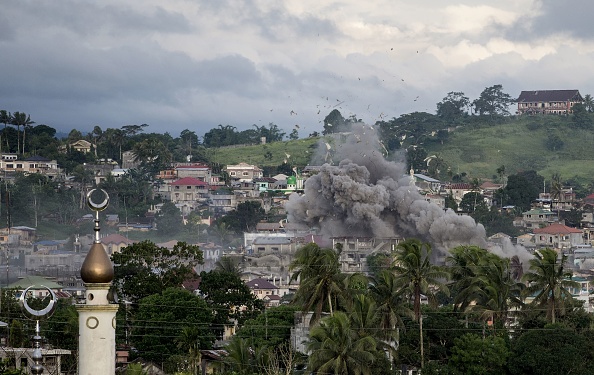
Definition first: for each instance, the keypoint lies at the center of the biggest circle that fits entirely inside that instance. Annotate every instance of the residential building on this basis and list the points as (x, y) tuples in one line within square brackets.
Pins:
[(557, 102), (272, 245), (23, 359), (426, 183), (261, 288), (81, 146), (537, 218), (355, 251), (114, 243), (558, 236), (243, 172), (33, 164), (189, 189), (458, 190)]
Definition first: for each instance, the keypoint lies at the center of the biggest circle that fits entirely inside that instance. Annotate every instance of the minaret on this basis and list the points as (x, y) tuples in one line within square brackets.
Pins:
[(96, 317)]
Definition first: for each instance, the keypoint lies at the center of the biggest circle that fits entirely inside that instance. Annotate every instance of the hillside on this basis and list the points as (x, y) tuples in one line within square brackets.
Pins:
[(520, 144), (478, 150)]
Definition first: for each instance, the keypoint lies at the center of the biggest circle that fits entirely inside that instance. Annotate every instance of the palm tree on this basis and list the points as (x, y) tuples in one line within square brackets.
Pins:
[(189, 340), (390, 307), (21, 119), (241, 356), (5, 118), (338, 349), (229, 265), (497, 291), (416, 275), (549, 280), (465, 264), (321, 282)]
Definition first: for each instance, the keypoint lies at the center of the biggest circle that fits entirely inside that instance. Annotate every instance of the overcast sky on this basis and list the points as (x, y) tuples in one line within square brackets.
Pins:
[(193, 64)]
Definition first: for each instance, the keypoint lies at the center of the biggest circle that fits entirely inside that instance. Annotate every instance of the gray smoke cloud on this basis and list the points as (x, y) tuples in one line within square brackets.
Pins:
[(367, 195)]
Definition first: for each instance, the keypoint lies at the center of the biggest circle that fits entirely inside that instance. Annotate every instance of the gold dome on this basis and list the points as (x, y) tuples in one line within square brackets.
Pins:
[(97, 267)]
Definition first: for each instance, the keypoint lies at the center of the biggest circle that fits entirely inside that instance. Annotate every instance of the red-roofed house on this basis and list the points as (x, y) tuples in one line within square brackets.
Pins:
[(558, 236), (188, 189), (114, 243)]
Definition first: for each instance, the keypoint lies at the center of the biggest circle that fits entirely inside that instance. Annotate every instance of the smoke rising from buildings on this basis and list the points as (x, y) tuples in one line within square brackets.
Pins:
[(366, 195)]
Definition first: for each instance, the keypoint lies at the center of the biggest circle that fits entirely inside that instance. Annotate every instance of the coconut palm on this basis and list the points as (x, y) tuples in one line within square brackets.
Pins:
[(5, 118), (496, 290), (390, 307), (465, 264), (21, 119), (556, 191), (321, 282), (338, 349), (241, 356), (416, 275), (228, 264), (549, 282)]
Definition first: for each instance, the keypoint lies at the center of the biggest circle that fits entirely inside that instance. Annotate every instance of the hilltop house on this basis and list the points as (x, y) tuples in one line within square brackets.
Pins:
[(548, 101), (243, 172)]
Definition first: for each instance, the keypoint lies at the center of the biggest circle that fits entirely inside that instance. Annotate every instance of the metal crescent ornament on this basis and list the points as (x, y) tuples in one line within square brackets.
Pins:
[(94, 206), (38, 314)]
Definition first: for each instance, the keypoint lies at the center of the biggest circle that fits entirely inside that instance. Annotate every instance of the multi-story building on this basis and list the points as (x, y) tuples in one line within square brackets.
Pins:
[(243, 172), (559, 102)]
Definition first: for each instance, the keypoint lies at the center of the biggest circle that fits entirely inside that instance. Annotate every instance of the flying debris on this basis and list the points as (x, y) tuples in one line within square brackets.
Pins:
[(293, 112)]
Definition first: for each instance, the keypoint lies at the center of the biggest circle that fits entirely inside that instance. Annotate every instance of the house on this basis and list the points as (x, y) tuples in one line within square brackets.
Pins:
[(272, 245), (264, 183), (458, 190), (243, 172), (436, 199), (189, 189), (261, 288), (23, 359), (81, 146), (537, 218), (33, 164), (558, 236), (38, 286), (114, 243), (355, 251), (557, 102)]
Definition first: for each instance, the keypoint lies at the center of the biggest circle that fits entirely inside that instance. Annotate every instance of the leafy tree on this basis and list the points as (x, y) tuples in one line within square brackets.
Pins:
[(169, 220), (271, 328), (493, 102), (549, 281), (453, 107), (337, 348), (245, 217), (580, 117), (588, 103), (294, 135), (230, 298), (523, 188), (334, 122), (471, 201), (473, 354), (152, 154), (189, 139), (554, 350), (415, 158), (416, 275), (164, 319), (143, 268), (221, 136)]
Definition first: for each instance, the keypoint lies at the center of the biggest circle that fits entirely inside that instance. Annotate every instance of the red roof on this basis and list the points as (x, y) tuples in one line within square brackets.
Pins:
[(556, 228), (189, 181)]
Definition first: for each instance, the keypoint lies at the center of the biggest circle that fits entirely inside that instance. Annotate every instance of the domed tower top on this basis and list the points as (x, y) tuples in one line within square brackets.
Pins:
[(97, 268)]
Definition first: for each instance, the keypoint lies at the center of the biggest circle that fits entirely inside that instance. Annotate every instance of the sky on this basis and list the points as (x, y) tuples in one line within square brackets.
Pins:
[(195, 64)]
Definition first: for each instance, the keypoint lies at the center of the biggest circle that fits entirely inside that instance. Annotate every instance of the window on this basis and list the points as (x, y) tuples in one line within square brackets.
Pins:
[(19, 166), (11, 166), (232, 173), (245, 173)]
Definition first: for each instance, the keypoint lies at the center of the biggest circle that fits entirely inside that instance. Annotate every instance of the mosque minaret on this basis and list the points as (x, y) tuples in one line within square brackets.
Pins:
[(96, 317)]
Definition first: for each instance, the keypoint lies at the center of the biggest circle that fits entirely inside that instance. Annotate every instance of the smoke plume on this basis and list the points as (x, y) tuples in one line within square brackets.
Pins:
[(366, 195)]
